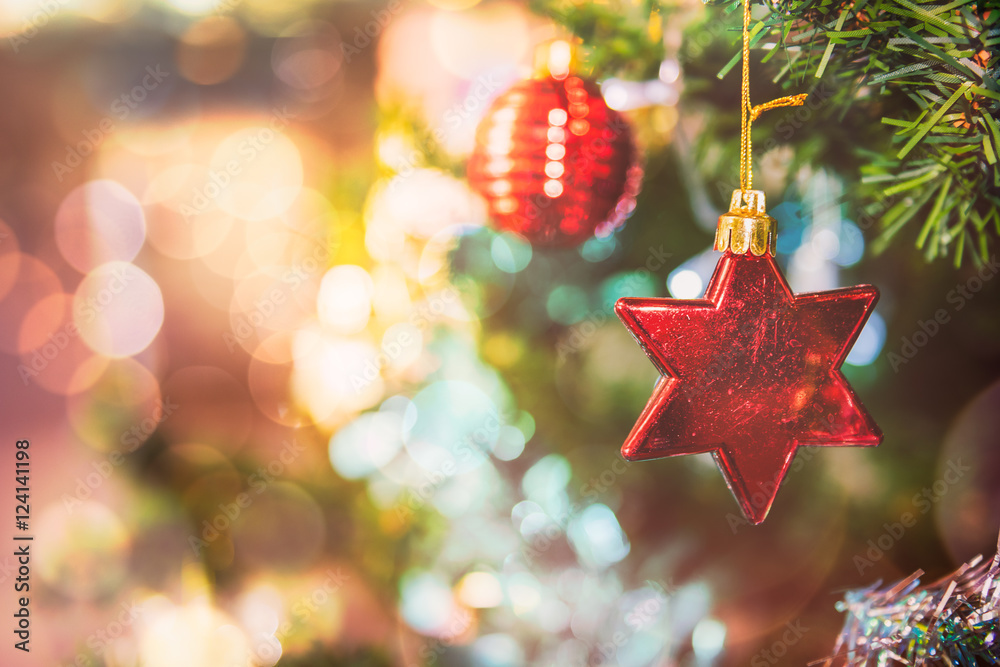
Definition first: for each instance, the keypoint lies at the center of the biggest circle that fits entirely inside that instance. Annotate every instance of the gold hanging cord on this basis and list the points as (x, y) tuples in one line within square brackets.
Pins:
[(747, 228), (749, 114)]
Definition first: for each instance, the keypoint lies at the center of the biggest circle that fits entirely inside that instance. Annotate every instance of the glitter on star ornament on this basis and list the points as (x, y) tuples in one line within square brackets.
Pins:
[(751, 371)]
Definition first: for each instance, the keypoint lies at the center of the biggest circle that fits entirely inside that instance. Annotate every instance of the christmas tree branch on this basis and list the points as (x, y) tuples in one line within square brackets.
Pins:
[(930, 70)]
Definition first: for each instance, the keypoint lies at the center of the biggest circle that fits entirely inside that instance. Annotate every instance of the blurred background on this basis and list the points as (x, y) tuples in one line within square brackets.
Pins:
[(293, 400)]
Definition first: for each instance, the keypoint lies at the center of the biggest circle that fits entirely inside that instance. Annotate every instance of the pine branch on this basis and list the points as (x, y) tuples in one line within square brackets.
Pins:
[(928, 70), (932, 71), (618, 37)]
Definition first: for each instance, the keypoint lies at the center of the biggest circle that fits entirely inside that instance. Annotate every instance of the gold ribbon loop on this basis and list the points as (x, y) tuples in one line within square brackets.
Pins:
[(747, 228), (750, 114), (790, 101)]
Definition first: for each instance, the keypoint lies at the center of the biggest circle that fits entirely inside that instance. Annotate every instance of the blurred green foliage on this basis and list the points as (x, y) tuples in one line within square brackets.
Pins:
[(917, 80)]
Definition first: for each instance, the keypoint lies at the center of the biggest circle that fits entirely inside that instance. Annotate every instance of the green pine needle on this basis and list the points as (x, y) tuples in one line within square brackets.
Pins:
[(928, 69), (934, 66)]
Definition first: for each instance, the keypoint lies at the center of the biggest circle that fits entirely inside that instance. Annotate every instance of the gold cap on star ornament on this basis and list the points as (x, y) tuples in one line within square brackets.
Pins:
[(746, 228)]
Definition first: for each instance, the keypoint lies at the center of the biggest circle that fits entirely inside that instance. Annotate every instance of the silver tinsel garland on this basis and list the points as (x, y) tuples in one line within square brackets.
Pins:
[(953, 621)]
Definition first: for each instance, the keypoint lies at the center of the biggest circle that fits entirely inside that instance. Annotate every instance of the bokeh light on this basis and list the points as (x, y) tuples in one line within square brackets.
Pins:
[(211, 50), (122, 409), (426, 602), (451, 425), (345, 299), (255, 173), (294, 396), (195, 634), (367, 444), (118, 309), (83, 552), (869, 343), (98, 223), (32, 282)]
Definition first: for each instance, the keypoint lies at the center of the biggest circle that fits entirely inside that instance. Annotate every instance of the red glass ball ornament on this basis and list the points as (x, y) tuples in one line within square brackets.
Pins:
[(555, 163)]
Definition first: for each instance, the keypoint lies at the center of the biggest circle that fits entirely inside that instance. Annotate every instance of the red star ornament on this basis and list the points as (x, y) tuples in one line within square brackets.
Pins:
[(751, 371)]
